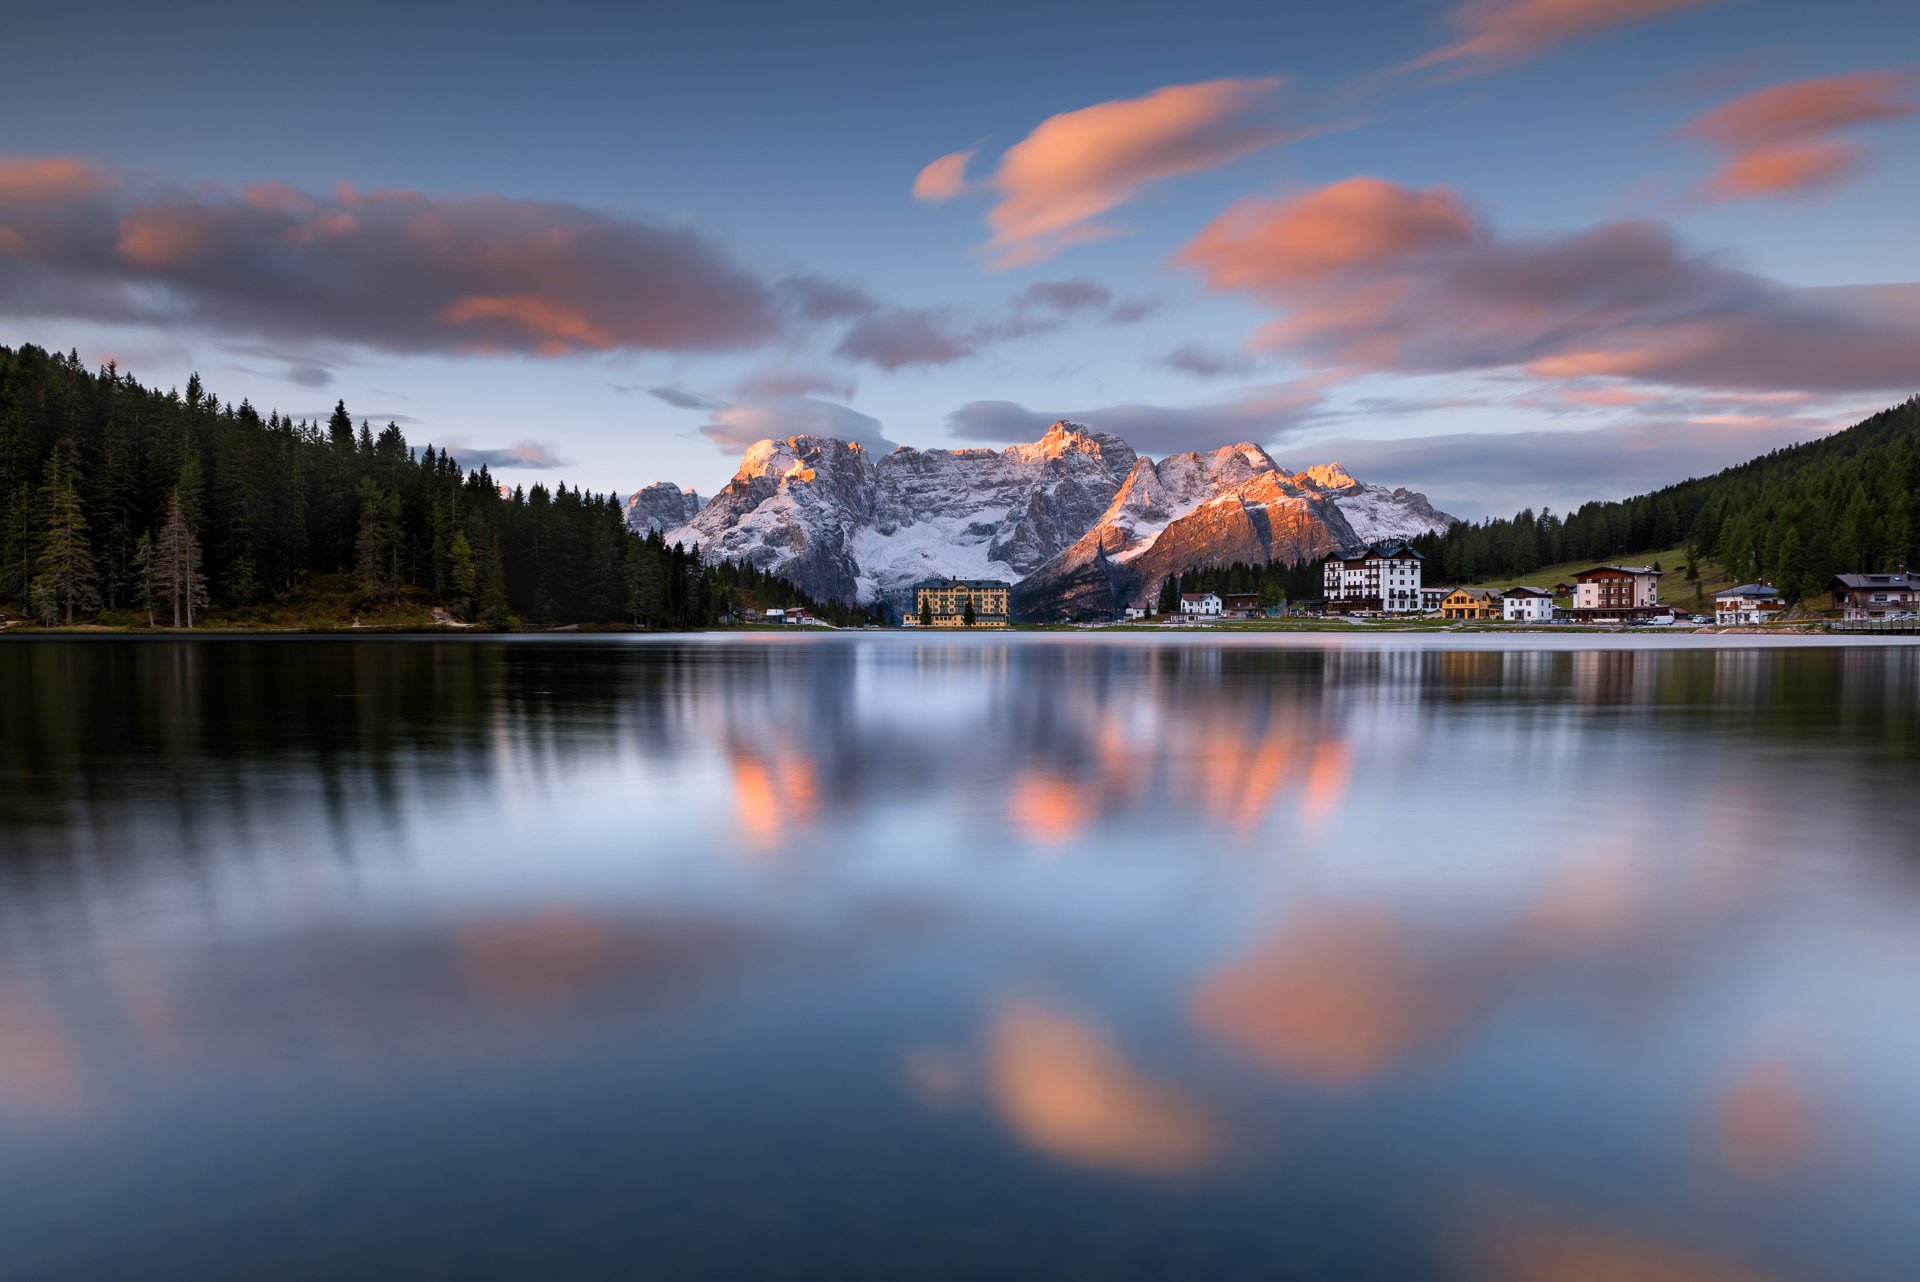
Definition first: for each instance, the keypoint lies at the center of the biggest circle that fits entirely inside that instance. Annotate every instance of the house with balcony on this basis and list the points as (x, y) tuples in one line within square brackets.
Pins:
[(1616, 594), (1875, 596), (1471, 604), (1749, 603)]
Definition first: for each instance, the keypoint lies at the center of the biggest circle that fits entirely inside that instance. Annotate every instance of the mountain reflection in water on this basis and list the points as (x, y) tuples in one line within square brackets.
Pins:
[(908, 957)]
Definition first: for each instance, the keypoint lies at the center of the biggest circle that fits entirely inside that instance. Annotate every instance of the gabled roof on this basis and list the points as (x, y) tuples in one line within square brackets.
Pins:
[(1902, 580), (1620, 569), (1749, 589), (1197, 596), (1524, 591)]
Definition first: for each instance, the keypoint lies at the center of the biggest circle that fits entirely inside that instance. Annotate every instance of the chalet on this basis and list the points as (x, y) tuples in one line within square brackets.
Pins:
[(1430, 598), (1526, 605), (1748, 603), (775, 614), (1471, 603), (1138, 609), (1201, 603), (1616, 593), (944, 602), (1242, 605), (1385, 578), (1875, 596)]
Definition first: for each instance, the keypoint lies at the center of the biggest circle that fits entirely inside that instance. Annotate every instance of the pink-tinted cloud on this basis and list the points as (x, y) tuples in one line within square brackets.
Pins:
[(943, 179), (734, 427), (1372, 275), (400, 271), (1787, 138), (1054, 184), (1489, 34)]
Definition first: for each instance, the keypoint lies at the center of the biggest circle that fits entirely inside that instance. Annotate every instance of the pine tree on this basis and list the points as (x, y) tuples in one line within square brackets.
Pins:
[(462, 575), (926, 612), (175, 563), (145, 586), (1790, 561), (68, 582), (966, 614)]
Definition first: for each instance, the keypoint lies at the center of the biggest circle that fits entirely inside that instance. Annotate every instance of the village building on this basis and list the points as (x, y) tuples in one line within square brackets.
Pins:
[(1748, 603), (1242, 605), (1138, 609), (1431, 598), (1875, 596), (1526, 605), (1201, 603), (1471, 603), (1616, 593), (943, 603), (1385, 579)]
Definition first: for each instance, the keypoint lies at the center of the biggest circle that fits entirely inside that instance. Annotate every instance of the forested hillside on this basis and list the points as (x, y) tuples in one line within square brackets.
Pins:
[(127, 503), (1794, 517)]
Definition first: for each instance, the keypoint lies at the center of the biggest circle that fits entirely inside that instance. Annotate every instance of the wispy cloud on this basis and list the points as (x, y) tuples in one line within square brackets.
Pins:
[(1791, 139), (531, 455), (1261, 416), (1371, 275), (1054, 185), (1490, 34)]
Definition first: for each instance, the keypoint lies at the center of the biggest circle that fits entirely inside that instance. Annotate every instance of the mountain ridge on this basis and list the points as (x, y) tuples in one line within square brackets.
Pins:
[(1078, 519)]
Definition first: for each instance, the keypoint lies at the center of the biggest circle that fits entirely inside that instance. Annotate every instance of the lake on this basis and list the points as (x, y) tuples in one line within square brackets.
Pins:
[(1370, 959)]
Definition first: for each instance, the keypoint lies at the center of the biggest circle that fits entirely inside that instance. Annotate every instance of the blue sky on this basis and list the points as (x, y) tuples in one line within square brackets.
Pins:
[(1478, 248)]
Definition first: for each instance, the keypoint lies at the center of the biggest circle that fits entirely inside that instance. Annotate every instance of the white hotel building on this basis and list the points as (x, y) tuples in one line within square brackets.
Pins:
[(1385, 578)]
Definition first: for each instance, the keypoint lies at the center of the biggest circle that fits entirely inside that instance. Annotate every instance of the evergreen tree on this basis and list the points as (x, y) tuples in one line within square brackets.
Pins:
[(926, 612), (67, 582), (966, 613), (175, 564)]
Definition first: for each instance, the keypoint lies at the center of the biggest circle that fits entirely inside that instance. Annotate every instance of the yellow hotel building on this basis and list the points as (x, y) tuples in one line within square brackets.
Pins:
[(945, 600)]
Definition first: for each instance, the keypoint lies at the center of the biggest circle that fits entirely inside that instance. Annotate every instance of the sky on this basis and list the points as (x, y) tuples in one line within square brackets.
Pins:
[(1509, 253)]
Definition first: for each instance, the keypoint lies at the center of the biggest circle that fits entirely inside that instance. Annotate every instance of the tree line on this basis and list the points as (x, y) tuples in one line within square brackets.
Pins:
[(1795, 517), (129, 504)]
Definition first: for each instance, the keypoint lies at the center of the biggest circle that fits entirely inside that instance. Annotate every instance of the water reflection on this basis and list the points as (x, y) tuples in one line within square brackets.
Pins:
[(1014, 956)]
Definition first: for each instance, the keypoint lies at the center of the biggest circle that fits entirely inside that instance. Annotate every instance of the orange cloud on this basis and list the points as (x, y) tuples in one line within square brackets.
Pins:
[(1373, 275), (1765, 1122), (1277, 246), (156, 236), (1064, 1089), (1785, 138), (1054, 183), (943, 179), (49, 179), (1497, 33), (553, 328), (773, 796)]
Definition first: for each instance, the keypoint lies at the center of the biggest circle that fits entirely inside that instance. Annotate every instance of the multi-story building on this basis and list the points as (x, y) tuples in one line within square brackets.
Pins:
[(1242, 605), (1748, 603), (942, 603), (1471, 603), (1431, 599), (1384, 578), (1206, 603), (1616, 592), (1875, 596), (1526, 605)]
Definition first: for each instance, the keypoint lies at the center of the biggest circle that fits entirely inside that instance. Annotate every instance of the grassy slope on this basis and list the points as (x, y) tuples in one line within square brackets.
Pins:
[(1674, 588)]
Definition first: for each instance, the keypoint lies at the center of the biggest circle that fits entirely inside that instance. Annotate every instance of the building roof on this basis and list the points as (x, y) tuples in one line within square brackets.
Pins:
[(1902, 580), (1619, 569), (1524, 591), (976, 584), (1749, 589), (1378, 551), (1477, 594), (1197, 596)]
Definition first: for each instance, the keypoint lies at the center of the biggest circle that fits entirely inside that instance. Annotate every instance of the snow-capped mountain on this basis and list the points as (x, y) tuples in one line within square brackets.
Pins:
[(1077, 518), (661, 506)]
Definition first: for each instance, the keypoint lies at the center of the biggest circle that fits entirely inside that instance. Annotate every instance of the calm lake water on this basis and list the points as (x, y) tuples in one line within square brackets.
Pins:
[(895, 957)]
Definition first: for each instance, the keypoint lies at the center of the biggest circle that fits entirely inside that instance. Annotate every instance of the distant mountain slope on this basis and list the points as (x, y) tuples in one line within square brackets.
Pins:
[(661, 506), (1077, 517)]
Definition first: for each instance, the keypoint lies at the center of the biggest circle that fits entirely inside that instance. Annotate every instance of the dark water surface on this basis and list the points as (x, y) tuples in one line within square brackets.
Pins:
[(959, 957)]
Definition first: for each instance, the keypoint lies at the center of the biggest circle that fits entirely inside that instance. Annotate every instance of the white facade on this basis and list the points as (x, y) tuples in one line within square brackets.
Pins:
[(1526, 605), (1137, 610), (1199, 603), (1751, 603), (1385, 577)]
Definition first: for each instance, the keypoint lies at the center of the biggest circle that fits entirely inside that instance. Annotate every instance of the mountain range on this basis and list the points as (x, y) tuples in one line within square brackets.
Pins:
[(1077, 520)]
